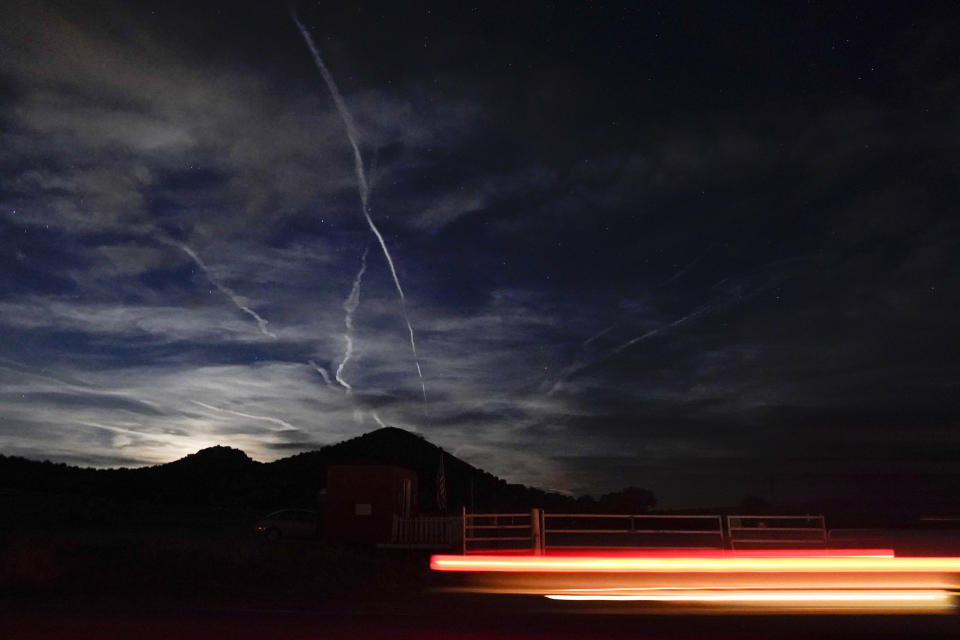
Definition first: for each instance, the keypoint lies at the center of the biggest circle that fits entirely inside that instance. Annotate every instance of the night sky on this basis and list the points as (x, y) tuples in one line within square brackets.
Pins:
[(709, 249)]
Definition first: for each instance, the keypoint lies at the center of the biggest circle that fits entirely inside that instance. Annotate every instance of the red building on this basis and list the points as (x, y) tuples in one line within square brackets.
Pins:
[(363, 500)]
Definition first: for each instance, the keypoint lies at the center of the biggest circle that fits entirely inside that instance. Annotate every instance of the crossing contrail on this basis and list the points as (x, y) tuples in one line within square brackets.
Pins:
[(597, 335), (238, 301), (277, 421), (350, 306), (729, 292), (577, 368), (82, 387), (696, 313), (362, 184), (683, 270), (323, 372)]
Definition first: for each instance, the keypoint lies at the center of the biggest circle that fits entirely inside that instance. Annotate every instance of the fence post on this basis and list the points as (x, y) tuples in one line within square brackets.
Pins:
[(543, 531), (463, 530), (536, 536)]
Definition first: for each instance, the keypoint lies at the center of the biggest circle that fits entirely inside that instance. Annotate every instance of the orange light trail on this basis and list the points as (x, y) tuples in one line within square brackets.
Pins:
[(689, 553), (904, 601), (863, 595), (684, 564), (799, 581)]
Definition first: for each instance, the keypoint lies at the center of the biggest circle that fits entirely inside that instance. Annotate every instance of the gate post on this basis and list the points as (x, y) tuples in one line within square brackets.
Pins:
[(463, 530), (536, 534)]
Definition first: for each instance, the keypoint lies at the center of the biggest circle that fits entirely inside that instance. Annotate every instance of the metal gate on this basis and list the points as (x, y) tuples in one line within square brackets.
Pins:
[(502, 532), (638, 531)]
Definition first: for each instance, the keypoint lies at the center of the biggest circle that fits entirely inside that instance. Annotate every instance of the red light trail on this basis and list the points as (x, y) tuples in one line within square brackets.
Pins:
[(831, 580)]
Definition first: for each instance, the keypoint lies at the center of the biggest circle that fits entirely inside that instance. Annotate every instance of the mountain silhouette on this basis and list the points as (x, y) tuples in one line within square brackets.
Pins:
[(226, 478), (218, 457)]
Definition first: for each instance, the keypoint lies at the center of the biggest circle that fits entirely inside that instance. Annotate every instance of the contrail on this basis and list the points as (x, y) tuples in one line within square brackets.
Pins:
[(684, 270), (626, 345), (376, 417), (649, 334), (238, 301), (90, 388), (65, 383), (106, 427), (362, 184), (737, 293), (578, 362), (350, 306), (323, 372), (598, 335), (278, 421)]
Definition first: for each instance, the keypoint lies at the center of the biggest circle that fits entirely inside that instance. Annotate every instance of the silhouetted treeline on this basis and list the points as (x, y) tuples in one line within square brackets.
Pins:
[(225, 479), (220, 480)]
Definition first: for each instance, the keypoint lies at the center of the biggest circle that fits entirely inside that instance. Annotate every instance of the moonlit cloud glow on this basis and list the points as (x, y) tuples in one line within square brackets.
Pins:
[(632, 257)]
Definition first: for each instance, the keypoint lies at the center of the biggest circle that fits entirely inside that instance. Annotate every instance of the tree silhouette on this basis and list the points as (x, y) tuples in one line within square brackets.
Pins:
[(628, 500)]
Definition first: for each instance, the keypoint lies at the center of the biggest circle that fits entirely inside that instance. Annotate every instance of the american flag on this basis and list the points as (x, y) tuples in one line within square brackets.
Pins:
[(441, 486)]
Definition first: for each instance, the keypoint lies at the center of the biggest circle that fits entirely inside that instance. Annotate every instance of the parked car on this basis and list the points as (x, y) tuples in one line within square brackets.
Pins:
[(289, 523)]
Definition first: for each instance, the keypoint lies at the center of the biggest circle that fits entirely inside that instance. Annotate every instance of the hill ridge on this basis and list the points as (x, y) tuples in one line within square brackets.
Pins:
[(225, 477)]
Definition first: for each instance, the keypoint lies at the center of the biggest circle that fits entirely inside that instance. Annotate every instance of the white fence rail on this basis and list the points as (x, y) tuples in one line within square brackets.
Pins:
[(638, 531), (750, 531), (853, 538), (537, 532)]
